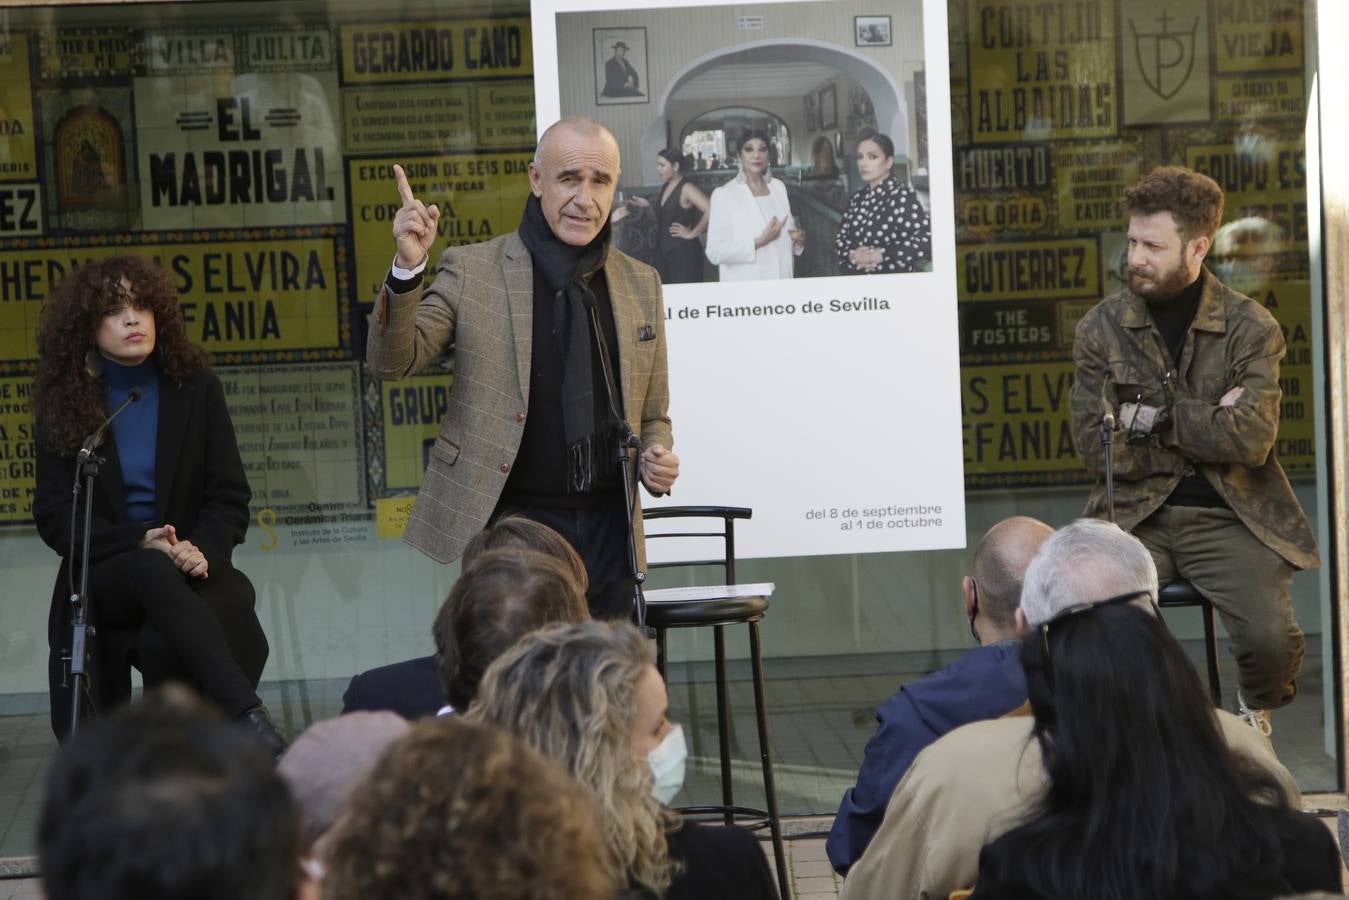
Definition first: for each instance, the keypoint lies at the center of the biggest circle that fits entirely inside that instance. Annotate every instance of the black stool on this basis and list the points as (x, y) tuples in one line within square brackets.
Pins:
[(1182, 593), (717, 606)]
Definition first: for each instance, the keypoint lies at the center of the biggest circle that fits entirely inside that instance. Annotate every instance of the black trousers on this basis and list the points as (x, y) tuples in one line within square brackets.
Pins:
[(203, 632), (600, 536)]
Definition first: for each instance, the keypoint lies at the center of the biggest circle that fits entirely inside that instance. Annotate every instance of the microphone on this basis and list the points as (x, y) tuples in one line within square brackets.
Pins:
[(1108, 422), (92, 441)]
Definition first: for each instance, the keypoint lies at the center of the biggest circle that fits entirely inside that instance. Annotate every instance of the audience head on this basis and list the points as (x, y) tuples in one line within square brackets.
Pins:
[(325, 764), (993, 587), (513, 532), (166, 801), (589, 696), (1085, 562), (1137, 765), (502, 596), (1136, 762), (461, 811)]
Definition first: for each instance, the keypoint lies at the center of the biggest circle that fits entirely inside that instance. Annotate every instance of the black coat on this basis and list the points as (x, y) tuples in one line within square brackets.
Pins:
[(200, 488), (410, 688)]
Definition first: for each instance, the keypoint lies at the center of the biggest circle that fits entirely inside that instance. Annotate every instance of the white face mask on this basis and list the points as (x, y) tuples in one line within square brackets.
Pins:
[(667, 765)]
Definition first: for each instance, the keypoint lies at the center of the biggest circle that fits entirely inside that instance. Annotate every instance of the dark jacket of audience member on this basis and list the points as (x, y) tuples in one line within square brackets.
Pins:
[(983, 684), (1145, 798), (413, 688), (410, 687), (165, 801), (458, 811)]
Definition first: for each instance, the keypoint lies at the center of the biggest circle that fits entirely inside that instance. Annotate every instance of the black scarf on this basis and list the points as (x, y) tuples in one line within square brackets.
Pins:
[(567, 270)]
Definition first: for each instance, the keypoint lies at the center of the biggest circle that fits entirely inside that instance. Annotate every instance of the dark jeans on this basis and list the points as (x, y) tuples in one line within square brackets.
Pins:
[(600, 536), (211, 637)]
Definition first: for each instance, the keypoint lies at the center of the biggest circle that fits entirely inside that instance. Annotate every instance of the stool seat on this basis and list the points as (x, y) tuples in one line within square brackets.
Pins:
[(1179, 593), (703, 605)]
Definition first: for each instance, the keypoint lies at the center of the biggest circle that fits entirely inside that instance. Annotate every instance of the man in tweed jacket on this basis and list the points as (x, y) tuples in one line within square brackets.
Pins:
[(525, 428)]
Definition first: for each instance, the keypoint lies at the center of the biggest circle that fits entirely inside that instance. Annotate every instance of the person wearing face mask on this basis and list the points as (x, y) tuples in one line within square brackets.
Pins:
[(169, 505), (751, 234), (589, 697), (1188, 369), (885, 228), (984, 683), (559, 347)]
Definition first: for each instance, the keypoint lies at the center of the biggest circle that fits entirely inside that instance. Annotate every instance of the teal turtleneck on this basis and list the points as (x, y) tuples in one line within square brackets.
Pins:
[(135, 432)]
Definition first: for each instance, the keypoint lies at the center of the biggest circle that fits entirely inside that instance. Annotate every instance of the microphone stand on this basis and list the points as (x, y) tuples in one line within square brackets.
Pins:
[(87, 464), (1108, 446), (628, 446), (625, 444)]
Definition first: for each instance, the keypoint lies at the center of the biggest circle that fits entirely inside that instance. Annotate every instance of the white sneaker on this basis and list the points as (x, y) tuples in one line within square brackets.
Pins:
[(1256, 718)]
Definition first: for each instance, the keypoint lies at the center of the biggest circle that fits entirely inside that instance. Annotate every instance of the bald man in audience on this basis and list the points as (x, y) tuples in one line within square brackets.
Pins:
[(980, 780), (984, 683)]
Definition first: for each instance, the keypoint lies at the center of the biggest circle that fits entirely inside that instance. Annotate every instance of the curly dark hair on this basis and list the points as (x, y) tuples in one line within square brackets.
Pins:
[(1194, 200), (68, 398), (461, 810)]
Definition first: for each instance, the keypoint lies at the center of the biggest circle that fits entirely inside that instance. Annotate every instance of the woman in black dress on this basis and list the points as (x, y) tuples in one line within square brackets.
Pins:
[(169, 505), (681, 216), (885, 228)]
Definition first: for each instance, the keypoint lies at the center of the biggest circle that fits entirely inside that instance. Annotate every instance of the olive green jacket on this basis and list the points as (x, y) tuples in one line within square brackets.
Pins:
[(1233, 341)]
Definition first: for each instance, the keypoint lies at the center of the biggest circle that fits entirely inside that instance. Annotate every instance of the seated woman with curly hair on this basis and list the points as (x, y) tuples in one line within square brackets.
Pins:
[(457, 811), (588, 695), (169, 504)]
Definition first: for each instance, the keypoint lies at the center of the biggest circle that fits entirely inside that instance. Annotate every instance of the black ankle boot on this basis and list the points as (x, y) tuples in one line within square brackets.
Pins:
[(257, 719)]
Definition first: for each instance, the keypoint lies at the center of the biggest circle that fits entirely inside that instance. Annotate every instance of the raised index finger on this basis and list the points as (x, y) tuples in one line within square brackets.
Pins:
[(404, 189)]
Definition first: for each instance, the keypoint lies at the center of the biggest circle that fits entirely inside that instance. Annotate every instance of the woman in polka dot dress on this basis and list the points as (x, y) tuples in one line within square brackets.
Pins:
[(885, 228)]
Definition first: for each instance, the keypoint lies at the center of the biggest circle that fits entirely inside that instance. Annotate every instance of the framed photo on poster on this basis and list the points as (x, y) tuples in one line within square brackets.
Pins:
[(872, 31), (620, 66)]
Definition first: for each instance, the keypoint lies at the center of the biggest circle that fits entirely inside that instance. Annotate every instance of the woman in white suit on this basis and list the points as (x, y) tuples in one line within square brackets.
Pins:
[(752, 235)]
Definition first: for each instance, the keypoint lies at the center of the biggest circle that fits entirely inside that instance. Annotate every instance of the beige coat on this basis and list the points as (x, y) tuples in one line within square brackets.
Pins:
[(970, 787), (480, 300)]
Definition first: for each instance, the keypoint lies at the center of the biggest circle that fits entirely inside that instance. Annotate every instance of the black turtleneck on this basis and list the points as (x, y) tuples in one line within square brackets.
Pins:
[(1173, 316)]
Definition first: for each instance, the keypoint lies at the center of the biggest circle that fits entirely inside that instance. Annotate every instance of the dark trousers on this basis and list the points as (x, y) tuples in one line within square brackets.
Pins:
[(600, 536), (204, 632), (1247, 583)]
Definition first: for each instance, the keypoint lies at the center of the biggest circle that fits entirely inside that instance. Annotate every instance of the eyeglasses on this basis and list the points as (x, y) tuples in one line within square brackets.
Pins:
[(1071, 611)]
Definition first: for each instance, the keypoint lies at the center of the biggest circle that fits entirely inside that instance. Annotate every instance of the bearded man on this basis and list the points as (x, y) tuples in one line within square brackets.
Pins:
[(1189, 369)]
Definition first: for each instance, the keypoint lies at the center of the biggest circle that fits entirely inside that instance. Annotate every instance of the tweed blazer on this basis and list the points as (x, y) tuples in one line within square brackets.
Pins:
[(480, 301)]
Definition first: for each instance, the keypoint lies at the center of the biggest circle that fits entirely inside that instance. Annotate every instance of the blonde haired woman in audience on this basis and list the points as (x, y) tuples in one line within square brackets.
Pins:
[(456, 811), (588, 695)]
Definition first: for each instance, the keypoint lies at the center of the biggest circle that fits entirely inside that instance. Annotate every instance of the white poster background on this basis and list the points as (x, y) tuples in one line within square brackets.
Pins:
[(841, 429)]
